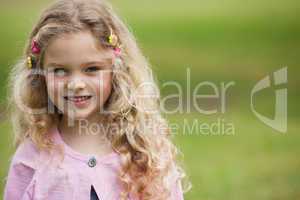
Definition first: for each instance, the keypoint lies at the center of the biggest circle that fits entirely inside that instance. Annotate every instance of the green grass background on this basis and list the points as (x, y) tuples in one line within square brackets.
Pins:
[(220, 41)]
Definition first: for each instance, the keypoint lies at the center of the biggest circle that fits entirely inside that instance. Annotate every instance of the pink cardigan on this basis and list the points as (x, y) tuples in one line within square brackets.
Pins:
[(34, 175)]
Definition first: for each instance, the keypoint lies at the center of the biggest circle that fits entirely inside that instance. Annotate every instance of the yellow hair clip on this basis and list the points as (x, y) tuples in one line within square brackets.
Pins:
[(112, 39), (29, 62)]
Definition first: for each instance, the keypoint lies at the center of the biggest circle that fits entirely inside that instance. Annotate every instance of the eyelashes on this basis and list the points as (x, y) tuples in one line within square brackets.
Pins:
[(59, 71), (63, 72), (92, 69)]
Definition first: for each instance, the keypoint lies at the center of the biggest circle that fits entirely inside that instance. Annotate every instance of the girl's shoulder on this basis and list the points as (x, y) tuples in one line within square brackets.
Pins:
[(26, 154)]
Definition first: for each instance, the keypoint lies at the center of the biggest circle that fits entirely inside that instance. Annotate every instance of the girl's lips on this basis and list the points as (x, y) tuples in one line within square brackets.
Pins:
[(78, 100)]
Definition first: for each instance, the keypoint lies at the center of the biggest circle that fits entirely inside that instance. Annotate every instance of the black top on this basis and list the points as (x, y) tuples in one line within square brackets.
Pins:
[(93, 194)]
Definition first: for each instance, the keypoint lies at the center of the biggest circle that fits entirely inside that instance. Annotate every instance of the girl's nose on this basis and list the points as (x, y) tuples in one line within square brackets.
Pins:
[(75, 85)]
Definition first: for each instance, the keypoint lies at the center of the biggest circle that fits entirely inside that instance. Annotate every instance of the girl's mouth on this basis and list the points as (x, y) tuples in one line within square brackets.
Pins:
[(78, 100)]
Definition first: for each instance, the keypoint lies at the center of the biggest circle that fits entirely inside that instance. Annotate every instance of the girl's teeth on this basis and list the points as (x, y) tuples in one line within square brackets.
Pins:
[(78, 98)]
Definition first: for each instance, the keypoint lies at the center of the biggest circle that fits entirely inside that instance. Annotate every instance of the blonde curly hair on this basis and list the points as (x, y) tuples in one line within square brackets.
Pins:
[(146, 150)]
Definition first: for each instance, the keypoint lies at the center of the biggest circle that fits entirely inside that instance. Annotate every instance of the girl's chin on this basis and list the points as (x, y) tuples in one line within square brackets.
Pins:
[(81, 114)]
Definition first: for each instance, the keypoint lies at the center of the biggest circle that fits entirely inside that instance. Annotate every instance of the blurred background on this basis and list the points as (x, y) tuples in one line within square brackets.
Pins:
[(220, 42)]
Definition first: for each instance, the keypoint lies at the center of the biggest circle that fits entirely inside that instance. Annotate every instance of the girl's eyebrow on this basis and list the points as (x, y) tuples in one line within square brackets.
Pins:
[(54, 65), (103, 62)]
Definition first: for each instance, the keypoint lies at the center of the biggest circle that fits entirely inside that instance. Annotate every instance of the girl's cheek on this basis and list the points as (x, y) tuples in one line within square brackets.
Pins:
[(55, 87), (105, 83)]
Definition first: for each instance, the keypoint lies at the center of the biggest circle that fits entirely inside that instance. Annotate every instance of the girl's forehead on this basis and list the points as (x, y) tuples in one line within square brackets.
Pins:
[(76, 48)]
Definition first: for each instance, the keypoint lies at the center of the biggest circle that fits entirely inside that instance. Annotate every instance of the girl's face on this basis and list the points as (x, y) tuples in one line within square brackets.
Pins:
[(78, 74)]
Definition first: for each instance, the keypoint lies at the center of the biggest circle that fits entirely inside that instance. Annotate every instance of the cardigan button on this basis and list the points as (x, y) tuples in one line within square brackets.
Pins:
[(92, 162)]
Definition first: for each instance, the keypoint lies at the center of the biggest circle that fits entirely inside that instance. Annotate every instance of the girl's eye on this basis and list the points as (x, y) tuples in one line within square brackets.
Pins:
[(92, 69), (59, 71)]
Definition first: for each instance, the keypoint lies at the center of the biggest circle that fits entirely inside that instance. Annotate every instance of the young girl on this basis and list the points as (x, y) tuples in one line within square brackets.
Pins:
[(86, 113)]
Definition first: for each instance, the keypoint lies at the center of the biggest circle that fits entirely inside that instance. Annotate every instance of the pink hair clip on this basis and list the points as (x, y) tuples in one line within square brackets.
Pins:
[(35, 47), (117, 51)]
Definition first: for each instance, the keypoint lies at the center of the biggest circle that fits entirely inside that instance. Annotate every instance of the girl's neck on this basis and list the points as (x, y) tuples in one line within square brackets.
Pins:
[(87, 136)]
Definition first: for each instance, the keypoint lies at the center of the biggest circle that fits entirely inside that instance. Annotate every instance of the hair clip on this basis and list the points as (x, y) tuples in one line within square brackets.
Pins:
[(112, 39), (117, 51), (29, 62), (35, 49), (114, 42)]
